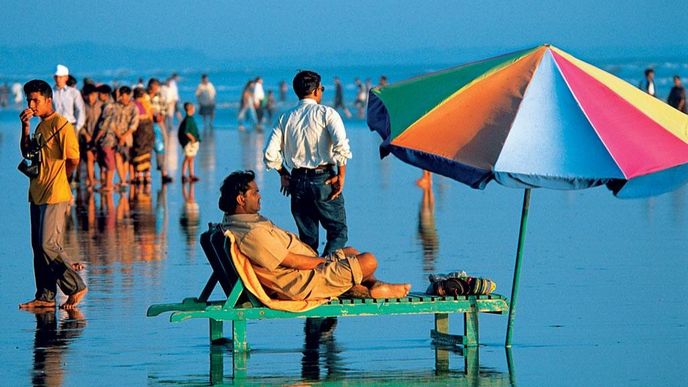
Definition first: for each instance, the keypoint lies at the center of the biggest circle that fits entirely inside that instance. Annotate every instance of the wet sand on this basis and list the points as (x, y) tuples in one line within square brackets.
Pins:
[(602, 296)]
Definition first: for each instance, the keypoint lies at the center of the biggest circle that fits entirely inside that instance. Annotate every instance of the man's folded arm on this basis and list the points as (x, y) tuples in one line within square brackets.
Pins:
[(301, 262)]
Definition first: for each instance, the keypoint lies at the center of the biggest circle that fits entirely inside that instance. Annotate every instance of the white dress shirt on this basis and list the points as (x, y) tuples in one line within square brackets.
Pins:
[(258, 93), (173, 90), (69, 104), (307, 136)]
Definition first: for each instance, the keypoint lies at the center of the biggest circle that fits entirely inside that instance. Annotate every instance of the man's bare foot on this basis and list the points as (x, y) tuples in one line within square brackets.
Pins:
[(37, 304), (425, 181), (384, 290), (357, 291), (75, 314), (74, 299)]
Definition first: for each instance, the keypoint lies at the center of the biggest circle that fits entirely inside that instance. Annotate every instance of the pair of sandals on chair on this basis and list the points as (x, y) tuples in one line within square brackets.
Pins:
[(459, 284)]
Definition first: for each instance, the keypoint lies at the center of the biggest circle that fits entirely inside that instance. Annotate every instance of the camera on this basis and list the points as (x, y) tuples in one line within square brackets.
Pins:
[(31, 162)]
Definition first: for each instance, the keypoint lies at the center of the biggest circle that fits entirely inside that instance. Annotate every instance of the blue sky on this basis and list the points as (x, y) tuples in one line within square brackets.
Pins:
[(382, 28)]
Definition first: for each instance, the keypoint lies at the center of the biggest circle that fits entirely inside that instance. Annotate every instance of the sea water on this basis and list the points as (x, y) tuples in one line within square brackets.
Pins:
[(603, 283)]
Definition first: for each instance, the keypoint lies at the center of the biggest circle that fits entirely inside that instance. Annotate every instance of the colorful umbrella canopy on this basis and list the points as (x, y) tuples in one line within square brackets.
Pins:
[(534, 118), (530, 119)]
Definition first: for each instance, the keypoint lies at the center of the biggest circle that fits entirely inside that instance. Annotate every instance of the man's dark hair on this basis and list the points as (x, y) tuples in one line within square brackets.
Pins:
[(124, 90), (187, 105), (152, 81), (236, 183), (139, 92), (648, 71), (71, 81), (38, 86), (89, 89), (104, 89), (305, 82)]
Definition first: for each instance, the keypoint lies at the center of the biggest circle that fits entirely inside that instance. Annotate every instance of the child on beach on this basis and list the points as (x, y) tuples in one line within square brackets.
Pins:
[(189, 140)]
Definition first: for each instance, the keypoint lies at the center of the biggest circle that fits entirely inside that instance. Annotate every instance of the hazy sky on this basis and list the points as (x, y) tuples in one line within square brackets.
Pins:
[(224, 29)]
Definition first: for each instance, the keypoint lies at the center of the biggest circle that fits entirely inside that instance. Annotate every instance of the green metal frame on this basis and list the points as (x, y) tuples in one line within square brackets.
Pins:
[(441, 307), (241, 306), (413, 304)]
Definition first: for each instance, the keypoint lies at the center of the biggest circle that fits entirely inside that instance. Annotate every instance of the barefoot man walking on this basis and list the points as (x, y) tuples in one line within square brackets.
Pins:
[(49, 195)]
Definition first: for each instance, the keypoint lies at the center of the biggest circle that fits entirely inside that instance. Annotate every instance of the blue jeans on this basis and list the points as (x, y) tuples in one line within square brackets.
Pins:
[(310, 208)]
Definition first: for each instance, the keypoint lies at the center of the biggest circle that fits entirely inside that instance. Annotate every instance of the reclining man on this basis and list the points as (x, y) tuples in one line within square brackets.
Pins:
[(288, 268)]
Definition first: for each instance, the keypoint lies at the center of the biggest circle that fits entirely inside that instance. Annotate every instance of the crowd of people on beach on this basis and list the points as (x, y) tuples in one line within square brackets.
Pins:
[(118, 129), (11, 95), (258, 108), (255, 107), (677, 94), (121, 129)]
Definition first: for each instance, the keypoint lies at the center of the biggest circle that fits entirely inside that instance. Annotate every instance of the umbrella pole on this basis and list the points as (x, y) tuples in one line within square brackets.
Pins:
[(517, 267)]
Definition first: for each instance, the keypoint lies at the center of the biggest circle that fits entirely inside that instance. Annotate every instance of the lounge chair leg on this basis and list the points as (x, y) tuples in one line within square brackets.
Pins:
[(442, 323), (239, 365), (239, 336), (215, 330), (441, 355), (470, 327), (471, 362), (217, 363)]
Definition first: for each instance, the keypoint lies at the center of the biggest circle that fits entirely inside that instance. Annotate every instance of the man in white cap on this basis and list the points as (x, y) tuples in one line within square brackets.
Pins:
[(67, 100)]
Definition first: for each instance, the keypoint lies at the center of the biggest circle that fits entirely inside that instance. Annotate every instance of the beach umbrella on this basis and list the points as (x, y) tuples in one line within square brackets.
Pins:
[(537, 118)]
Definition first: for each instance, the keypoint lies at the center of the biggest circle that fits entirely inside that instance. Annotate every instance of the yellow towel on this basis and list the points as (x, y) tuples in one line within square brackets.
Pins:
[(250, 280)]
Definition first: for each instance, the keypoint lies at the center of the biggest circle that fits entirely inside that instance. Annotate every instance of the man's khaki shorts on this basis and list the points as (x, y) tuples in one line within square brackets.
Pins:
[(336, 277)]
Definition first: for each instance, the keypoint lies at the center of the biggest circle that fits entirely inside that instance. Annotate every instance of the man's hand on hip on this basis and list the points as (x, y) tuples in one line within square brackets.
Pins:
[(337, 183), (285, 180)]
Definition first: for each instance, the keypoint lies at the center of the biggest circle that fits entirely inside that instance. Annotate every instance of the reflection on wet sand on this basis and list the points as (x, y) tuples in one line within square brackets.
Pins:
[(115, 230), (320, 343), (206, 156), (321, 352), (190, 218), (427, 232), (252, 144), (51, 343)]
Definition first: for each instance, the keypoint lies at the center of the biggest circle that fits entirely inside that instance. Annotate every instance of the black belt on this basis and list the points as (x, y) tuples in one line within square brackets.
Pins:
[(320, 169)]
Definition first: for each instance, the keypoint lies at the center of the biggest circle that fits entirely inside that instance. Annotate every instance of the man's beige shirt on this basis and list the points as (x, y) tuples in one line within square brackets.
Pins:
[(266, 245)]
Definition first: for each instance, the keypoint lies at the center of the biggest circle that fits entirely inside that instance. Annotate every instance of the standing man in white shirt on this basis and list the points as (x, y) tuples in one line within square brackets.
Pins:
[(648, 84), (310, 141), (68, 103), (67, 100), (205, 94), (258, 97)]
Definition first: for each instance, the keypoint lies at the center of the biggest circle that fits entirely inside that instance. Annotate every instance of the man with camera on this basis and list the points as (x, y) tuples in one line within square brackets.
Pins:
[(54, 152)]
